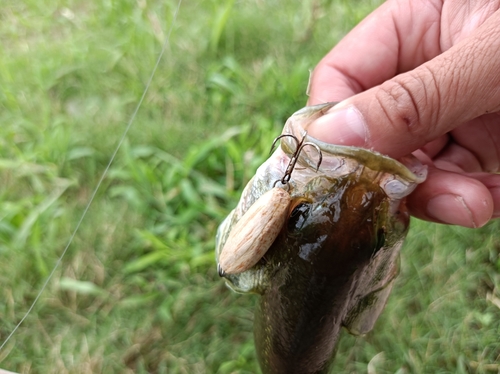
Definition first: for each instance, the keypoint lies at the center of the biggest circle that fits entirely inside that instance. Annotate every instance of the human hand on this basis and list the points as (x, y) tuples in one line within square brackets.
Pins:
[(425, 76)]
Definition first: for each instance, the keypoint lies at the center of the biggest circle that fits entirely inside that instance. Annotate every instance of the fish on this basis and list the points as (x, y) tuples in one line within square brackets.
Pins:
[(331, 258)]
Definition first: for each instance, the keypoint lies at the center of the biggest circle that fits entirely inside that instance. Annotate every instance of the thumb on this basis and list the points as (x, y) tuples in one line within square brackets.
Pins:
[(416, 107)]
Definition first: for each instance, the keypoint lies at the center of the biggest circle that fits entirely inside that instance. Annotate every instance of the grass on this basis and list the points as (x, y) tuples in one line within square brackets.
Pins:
[(138, 291)]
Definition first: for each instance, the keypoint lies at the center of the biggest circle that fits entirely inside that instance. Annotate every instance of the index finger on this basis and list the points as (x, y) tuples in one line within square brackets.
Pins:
[(397, 37)]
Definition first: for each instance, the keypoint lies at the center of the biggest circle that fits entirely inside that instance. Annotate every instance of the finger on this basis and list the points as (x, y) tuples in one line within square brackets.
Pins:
[(481, 137), (434, 147), (414, 108), (492, 183), (396, 37), (460, 158), (453, 198)]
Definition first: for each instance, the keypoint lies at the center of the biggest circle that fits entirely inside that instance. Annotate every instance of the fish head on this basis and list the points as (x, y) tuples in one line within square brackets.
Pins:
[(335, 255)]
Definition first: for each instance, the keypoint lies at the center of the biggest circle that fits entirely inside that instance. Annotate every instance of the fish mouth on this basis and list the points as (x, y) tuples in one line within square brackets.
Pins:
[(338, 160), (397, 179)]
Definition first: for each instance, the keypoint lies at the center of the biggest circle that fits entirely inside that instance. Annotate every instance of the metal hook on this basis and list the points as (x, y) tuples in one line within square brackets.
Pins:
[(320, 159), (297, 143), (295, 156), (221, 272)]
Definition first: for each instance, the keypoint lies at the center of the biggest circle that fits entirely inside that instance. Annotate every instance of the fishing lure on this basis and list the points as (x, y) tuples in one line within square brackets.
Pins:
[(254, 233)]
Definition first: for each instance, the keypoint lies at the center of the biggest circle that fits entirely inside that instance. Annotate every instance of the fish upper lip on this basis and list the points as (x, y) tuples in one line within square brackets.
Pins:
[(409, 169), (371, 159)]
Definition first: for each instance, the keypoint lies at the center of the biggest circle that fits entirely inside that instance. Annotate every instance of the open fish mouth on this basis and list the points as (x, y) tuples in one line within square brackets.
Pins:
[(320, 243)]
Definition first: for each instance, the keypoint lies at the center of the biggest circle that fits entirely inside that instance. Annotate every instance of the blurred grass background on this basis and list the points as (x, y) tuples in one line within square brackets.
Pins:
[(138, 291)]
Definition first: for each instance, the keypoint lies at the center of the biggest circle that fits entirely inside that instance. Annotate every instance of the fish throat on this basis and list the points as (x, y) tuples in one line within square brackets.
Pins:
[(319, 258)]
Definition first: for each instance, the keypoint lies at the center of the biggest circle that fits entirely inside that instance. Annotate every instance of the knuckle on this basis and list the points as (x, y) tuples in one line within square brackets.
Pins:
[(410, 103)]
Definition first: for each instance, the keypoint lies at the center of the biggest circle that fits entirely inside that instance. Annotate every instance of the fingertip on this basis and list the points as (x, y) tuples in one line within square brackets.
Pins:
[(342, 125), (495, 194), (451, 198), (492, 182), (454, 209)]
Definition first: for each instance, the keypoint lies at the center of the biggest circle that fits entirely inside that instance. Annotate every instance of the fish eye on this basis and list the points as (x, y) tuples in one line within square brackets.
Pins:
[(298, 216)]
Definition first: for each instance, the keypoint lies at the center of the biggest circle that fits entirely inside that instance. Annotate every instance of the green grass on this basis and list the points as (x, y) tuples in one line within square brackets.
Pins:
[(138, 291)]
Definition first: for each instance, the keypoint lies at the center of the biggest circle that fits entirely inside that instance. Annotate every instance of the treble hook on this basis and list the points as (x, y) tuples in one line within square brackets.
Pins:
[(221, 272), (299, 145)]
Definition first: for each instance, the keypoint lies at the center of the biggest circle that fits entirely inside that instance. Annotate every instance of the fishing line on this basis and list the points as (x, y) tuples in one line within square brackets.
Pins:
[(105, 172)]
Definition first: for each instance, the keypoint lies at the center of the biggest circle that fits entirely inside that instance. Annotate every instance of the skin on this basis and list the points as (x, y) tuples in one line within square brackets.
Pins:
[(423, 77)]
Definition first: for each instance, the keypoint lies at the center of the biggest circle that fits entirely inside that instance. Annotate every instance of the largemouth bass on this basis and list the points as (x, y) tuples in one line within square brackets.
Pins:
[(331, 260)]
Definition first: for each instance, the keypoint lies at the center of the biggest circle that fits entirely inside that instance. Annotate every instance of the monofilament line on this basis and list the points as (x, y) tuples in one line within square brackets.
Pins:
[(105, 172)]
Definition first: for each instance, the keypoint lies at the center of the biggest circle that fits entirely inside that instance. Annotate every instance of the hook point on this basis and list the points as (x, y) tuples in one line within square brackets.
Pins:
[(221, 272)]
